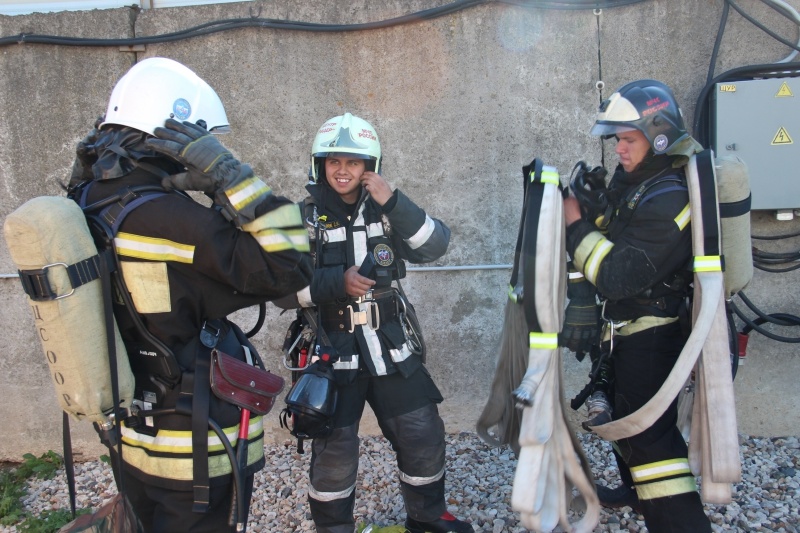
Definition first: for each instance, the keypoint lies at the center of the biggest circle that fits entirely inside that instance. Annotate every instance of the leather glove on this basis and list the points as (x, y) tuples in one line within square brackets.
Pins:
[(582, 316), (210, 167)]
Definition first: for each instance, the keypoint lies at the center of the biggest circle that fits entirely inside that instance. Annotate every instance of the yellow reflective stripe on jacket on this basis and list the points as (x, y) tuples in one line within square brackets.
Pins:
[(659, 469), (130, 245), (683, 218), (544, 341), (276, 240), (668, 487), (155, 459), (181, 468), (707, 263), (245, 193), (286, 216), (590, 254), (181, 441)]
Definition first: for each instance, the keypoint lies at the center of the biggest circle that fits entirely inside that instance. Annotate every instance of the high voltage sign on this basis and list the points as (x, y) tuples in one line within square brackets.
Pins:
[(782, 137), (784, 91)]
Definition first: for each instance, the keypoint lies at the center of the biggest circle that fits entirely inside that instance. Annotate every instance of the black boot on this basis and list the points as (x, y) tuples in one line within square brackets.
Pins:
[(622, 496), (446, 523)]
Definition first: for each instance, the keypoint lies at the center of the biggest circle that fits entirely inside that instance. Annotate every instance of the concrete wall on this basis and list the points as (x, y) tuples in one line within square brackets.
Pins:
[(461, 102)]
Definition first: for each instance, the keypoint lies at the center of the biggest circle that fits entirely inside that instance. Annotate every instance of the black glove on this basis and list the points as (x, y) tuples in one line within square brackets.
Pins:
[(582, 316), (210, 167), (85, 156), (589, 187)]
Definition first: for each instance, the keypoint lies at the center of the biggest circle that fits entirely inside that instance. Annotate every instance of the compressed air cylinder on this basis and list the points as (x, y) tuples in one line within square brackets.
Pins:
[(51, 230), (733, 186)]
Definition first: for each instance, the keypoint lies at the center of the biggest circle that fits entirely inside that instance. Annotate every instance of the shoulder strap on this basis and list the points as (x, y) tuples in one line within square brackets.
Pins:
[(105, 217), (643, 193)]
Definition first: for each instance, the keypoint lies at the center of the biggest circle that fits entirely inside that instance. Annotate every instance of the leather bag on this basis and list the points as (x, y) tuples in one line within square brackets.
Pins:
[(244, 385)]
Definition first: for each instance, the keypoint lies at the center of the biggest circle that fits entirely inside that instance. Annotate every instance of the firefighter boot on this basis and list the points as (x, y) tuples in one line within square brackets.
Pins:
[(622, 496), (446, 523)]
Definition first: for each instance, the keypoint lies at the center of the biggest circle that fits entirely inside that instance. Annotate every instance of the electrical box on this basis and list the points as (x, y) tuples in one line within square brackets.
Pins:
[(759, 121)]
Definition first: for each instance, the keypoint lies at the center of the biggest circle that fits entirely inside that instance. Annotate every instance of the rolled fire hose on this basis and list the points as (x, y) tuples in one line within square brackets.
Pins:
[(550, 458)]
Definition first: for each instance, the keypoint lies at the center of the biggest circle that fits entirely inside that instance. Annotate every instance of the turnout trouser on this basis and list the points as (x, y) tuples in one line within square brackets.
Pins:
[(655, 461), (407, 413), (167, 511)]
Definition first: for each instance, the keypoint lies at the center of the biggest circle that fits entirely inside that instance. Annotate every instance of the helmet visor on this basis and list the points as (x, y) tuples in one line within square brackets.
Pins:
[(609, 130), (337, 153)]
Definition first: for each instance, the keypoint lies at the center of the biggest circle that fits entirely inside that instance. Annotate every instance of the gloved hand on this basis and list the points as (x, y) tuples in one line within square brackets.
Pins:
[(582, 316), (210, 167), (85, 156)]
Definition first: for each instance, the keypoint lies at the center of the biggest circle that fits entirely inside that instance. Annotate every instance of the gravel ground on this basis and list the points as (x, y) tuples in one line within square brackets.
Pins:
[(478, 486)]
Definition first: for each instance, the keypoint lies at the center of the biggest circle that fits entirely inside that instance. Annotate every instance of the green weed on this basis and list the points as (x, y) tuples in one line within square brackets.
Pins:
[(12, 490)]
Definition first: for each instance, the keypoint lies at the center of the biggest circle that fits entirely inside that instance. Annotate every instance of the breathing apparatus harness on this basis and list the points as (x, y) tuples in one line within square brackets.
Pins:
[(600, 205), (153, 359)]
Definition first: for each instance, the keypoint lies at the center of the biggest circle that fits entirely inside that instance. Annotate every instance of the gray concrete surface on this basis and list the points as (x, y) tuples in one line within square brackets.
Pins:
[(461, 102)]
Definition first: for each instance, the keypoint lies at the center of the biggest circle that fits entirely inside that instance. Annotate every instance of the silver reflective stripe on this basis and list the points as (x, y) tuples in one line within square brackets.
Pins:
[(330, 496), (419, 480), (375, 352), (335, 235), (352, 364), (375, 229), (400, 355), (423, 234), (304, 297)]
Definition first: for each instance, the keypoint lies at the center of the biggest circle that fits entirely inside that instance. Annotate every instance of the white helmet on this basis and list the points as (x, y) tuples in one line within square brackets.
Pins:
[(158, 88), (345, 134)]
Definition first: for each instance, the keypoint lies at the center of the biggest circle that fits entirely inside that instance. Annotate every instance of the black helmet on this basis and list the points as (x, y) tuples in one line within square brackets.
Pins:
[(645, 105)]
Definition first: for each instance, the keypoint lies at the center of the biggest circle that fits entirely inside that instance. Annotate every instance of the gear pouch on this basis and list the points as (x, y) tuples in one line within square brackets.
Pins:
[(244, 385)]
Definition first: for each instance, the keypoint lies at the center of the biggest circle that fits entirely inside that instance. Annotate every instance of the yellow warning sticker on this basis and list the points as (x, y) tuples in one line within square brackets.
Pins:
[(782, 137), (784, 91)]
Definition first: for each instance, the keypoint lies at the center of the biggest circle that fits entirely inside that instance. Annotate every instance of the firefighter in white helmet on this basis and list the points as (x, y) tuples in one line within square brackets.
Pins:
[(187, 267), (362, 233)]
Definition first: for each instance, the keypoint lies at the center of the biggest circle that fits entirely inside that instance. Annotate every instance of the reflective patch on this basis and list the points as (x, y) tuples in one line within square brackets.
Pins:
[(595, 259), (543, 341), (669, 487), (130, 245), (275, 240), (660, 469), (375, 229), (398, 356), (418, 481), (423, 234), (329, 496), (286, 216), (173, 460), (247, 192), (708, 263), (683, 218), (148, 284)]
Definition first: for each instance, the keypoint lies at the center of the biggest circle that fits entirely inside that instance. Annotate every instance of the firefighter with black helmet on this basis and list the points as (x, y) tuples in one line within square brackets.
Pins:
[(186, 266), (635, 252), (363, 231)]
